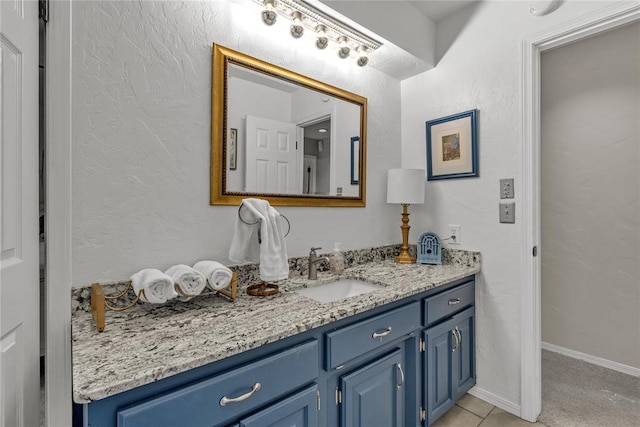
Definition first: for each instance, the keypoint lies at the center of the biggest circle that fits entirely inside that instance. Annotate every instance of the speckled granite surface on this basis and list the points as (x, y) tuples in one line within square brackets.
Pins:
[(150, 342)]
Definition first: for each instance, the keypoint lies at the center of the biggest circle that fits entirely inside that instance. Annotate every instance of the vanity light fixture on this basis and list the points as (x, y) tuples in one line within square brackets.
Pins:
[(343, 47), (329, 30), (405, 186), (322, 41), (296, 27), (363, 59), (322, 130), (269, 15)]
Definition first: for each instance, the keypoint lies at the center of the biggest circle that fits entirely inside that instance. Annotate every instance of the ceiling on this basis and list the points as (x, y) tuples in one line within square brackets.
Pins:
[(408, 38), (436, 10)]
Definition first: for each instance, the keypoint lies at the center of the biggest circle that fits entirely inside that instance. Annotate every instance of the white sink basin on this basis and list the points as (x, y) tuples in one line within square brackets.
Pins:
[(338, 290)]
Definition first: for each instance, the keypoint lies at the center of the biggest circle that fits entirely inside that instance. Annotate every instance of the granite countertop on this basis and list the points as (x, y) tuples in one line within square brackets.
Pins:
[(150, 342)]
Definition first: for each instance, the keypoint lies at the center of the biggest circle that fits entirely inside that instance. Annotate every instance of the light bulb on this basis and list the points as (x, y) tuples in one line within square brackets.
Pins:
[(363, 59), (322, 41), (343, 50), (269, 15), (296, 27)]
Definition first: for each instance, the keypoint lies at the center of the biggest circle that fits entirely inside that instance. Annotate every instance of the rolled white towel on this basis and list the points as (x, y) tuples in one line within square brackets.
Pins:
[(217, 274), (189, 280), (157, 286)]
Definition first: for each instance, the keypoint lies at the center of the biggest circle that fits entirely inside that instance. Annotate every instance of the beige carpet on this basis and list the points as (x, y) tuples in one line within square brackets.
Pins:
[(578, 394)]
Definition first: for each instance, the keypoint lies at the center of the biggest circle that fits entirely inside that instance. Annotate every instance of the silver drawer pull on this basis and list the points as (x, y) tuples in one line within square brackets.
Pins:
[(401, 372), (245, 396), (457, 343), (454, 301), (381, 334)]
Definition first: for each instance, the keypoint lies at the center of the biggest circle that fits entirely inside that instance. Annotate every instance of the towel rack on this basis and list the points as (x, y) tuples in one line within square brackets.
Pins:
[(260, 220), (100, 301)]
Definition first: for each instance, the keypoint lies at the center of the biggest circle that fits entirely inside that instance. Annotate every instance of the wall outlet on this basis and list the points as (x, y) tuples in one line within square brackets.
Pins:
[(508, 213), (454, 234)]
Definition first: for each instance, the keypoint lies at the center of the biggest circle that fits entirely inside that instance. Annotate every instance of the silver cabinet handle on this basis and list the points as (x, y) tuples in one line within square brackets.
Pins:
[(381, 334), (455, 335), (401, 372), (459, 336), (454, 301), (245, 396)]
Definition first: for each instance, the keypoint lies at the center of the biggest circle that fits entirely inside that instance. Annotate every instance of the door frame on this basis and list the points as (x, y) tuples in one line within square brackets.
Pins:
[(608, 18), (58, 274)]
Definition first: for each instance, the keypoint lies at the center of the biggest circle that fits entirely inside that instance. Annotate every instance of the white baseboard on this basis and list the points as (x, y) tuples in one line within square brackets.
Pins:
[(605, 363), (498, 401)]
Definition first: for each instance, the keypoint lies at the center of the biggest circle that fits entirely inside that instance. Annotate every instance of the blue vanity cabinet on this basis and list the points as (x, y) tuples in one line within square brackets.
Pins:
[(449, 351), (375, 394), (299, 410), (400, 364), (222, 398)]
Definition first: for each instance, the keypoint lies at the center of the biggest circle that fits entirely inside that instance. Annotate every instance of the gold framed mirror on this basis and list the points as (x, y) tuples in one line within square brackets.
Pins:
[(284, 137)]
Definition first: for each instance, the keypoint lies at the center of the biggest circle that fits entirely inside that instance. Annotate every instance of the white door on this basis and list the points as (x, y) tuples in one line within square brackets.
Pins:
[(19, 264), (271, 158)]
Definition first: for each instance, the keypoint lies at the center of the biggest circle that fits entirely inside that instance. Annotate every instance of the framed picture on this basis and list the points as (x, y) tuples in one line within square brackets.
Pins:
[(355, 160), (233, 149), (452, 146)]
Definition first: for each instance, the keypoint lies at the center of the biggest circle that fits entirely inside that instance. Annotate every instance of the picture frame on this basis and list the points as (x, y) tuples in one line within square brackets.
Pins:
[(233, 149), (355, 160), (452, 146)]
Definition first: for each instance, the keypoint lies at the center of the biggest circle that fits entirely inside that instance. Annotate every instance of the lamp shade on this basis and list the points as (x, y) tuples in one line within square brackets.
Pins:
[(405, 186)]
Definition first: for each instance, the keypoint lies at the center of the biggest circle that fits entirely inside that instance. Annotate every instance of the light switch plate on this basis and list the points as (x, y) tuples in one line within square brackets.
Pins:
[(506, 188), (508, 213)]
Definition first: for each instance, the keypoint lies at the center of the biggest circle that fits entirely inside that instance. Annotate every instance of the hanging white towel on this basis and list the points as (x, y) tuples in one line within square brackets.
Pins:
[(189, 280), (217, 275), (272, 251), (157, 286)]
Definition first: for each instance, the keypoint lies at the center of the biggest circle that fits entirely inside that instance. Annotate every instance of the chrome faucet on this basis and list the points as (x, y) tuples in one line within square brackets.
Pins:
[(313, 263)]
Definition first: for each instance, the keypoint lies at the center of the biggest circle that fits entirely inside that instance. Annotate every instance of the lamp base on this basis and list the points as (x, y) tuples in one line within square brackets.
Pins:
[(405, 258)]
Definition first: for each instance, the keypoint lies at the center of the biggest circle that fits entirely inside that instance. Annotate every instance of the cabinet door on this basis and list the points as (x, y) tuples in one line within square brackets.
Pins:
[(299, 410), (374, 394), (464, 375), (438, 363), (449, 370)]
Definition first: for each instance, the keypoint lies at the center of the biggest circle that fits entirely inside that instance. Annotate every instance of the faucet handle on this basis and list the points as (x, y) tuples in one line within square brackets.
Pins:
[(313, 250)]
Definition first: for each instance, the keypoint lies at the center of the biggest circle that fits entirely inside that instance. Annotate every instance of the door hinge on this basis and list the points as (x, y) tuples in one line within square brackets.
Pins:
[(318, 399), (422, 345), (296, 145), (338, 396), (535, 251), (423, 414), (43, 10)]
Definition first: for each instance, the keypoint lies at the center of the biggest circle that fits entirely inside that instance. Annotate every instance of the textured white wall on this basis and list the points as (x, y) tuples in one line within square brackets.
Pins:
[(479, 51), (590, 185), (141, 136)]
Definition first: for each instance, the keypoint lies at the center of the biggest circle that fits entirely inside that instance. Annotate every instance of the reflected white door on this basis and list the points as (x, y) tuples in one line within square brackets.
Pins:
[(271, 158), (19, 264)]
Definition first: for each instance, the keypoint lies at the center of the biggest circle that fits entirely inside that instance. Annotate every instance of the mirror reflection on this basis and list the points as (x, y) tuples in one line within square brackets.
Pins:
[(284, 137)]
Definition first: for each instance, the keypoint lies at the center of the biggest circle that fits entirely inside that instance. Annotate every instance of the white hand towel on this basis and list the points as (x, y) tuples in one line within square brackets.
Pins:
[(189, 280), (274, 265), (157, 286), (216, 274)]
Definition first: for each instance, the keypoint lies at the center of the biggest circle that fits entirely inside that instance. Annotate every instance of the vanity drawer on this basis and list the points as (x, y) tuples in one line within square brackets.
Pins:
[(207, 402), (448, 303), (355, 340)]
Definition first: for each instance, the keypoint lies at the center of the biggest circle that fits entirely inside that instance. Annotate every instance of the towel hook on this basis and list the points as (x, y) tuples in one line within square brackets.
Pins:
[(258, 221)]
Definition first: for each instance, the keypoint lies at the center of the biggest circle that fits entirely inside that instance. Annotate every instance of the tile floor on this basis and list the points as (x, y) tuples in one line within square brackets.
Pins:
[(473, 412)]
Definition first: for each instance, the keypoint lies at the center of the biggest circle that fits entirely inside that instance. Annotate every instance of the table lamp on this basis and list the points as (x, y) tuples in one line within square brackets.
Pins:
[(405, 186)]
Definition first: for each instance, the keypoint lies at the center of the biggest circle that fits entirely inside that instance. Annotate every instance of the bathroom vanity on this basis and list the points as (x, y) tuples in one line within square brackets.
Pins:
[(398, 356)]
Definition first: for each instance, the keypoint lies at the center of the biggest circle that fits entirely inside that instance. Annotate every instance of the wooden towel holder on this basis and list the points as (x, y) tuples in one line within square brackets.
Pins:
[(99, 301)]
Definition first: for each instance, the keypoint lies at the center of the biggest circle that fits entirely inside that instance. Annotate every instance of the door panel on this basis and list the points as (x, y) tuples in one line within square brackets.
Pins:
[(19, 213), (374, 394), (464, 359), (437, 372), (300, 410), (272, 157)]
